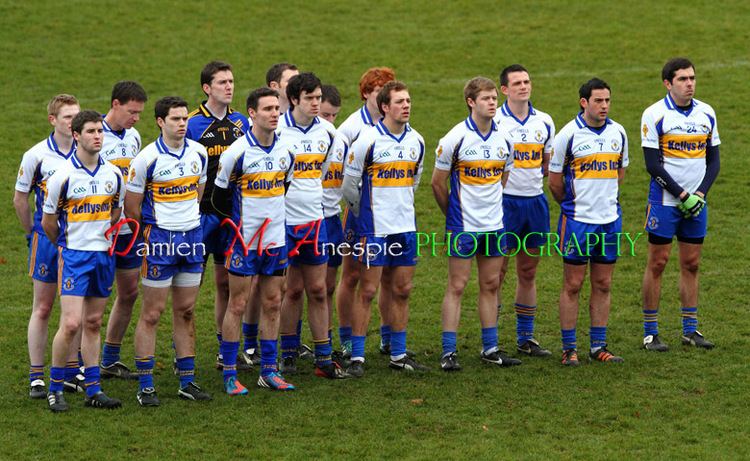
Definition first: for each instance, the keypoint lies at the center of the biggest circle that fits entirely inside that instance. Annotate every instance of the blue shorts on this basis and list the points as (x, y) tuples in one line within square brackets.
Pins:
[(86, 273), (526, 216), (351, 233), (667, 221), (271, 261), (42, 259), (307, 251), (466, 245), (132, 260), (581, 242), (391, 251), (335, 237), (169, 252), (215, 237)]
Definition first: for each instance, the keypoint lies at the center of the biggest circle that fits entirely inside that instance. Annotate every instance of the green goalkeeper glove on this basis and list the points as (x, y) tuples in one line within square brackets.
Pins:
[(692, 205)]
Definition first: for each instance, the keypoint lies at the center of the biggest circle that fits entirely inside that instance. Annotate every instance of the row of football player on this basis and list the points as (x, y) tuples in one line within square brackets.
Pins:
[(455, 151)]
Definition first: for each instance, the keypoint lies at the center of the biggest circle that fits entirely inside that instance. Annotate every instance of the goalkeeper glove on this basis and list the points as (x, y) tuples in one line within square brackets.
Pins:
[(692, 205)]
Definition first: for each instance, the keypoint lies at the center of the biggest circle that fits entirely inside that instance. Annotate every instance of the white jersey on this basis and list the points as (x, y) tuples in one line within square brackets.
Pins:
[(84, 201), (256, 175), (334, 177), (120, 148), (37, 165), (530, 139), (169, 181), (389, 167), (589, 159), (357, 122), (682, 138), (476, 163), (310, 145)]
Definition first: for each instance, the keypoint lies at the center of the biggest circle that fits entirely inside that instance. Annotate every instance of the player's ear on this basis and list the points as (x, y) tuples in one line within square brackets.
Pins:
[(51, 118), (206, 87), (160, 122), (667, 84)]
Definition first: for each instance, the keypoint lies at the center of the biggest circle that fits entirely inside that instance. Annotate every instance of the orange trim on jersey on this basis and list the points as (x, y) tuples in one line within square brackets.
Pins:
[(648, 213), (392, 174), (528, 155), (89, 208), (263, 184), (32, 260), (308, 166), (562, 233), (684, 145), (176, 190), (60, 266), (480, 172), (597, 166), (144, 263)]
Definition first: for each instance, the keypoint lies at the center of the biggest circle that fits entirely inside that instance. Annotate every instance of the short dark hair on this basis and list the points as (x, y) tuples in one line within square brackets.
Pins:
[(254, 97), (82, 118), (673, 65), (128, 90), (331, 95), (593, 84), (384, 95), (162, 106), (210, 69), (511, 68), (276, 70), (306, 81)]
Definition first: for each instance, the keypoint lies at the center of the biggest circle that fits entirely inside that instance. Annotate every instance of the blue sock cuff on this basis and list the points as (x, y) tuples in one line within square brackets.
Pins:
[(449, 342)]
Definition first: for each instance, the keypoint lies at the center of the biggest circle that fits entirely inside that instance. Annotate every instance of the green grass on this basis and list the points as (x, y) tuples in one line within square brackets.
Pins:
[(684, 403)]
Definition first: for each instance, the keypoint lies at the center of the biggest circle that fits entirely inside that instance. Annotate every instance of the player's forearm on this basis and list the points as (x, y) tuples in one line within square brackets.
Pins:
[(350, 190), (221, 201), (440, 192), (23, 211), (657, 171), (545, 164), (620, 176), (557, 187), (50, 227), (133, 203), (713, 165), (116, 214)]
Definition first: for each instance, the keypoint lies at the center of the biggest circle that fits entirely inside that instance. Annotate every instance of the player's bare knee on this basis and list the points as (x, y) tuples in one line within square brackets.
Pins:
[(690, 265), (69, 325)]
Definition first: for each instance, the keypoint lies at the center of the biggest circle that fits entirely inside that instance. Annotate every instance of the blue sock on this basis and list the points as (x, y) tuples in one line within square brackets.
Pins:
[(598, 337), (267, 356), (345, 335), (250, 333), (92, 381), (569, 339), (229, 351), (398, 345), (71, 370), (145, 368), (56, 378), (36, 372), (358, 347), (489, 338), (322, 352), (449, 342), (524, 322), (385, 335), (689, 320), (650, 322), (110, 353), (289, 345), (186, 365)]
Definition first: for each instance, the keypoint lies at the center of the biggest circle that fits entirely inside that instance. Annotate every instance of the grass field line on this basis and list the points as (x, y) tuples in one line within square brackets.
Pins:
[(587, 73)]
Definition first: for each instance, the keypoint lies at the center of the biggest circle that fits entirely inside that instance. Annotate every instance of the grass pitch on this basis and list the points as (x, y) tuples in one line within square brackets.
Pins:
[(683, 403)]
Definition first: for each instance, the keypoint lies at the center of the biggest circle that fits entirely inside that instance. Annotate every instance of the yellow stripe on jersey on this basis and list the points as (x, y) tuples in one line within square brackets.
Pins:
[(334, 176), (308, 166), (89, 208), (123, 163), (264, 184), (176, 190), (480, 172), (597, 166), (392, 174), (527, 155), (684, 145)]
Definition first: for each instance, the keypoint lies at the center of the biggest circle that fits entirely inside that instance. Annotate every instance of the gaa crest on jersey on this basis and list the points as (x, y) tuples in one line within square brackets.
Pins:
[(322, 146), (109, 187), (615, 144), (69, 283), (538, 136), (282, 163), (339, 155), (653, 222), (236, 261), (413, 153), (645, 130), (194, 167)]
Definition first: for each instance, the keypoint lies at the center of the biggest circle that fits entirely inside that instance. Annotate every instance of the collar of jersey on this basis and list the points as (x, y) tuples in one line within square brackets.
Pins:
[(207, 113), (78, 164), (473, 127), (163, 149), (383, 130), (671, 105), (120, 134), (253, 141), (582, 124), (366, 115), (291, 122), (505, 110), (52, 145)]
